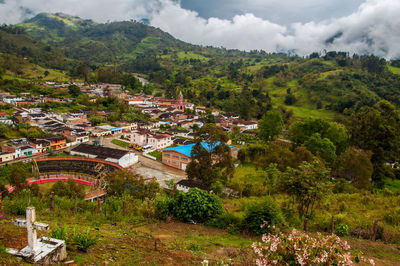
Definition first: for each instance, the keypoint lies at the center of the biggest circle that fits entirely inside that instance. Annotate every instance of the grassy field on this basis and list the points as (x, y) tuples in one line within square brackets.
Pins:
[(157, 154), (395, 70), (133, 242), (121, 143)]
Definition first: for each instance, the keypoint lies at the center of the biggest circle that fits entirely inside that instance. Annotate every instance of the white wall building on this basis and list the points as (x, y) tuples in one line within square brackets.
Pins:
[(121, 157)]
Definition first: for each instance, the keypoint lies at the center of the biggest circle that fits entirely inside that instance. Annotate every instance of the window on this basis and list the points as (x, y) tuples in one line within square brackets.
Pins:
[(175, 156), (166, 155), (167, 161), (184, 158), (175, 163)]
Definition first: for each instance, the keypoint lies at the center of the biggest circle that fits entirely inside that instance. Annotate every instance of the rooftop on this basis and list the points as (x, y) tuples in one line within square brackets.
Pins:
[(100, 152), (187, 149)]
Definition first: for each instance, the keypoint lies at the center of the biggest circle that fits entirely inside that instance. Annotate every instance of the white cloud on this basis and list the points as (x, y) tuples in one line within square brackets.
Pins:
[(373, 28)]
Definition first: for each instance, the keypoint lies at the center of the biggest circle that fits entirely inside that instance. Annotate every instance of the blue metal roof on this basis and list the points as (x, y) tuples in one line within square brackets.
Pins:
[(186, 149)]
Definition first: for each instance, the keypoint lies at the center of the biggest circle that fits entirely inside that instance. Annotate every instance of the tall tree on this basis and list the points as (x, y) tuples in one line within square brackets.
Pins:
[(321, 147), (307, 185), (355, 166), (18, 177), (270, 125), (377, 129), (211, 158)]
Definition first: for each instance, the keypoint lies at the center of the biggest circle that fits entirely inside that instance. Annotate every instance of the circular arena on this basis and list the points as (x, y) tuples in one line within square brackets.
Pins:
[(87, 171)]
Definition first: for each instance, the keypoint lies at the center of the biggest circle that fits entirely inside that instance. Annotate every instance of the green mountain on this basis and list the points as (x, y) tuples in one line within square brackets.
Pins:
[(248, 83)]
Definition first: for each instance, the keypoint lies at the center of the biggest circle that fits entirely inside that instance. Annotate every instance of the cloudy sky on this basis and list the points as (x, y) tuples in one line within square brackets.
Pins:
[(361, 26)]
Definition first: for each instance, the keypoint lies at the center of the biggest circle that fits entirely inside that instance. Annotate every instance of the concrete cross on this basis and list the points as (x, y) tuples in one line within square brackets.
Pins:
[(31, 226)]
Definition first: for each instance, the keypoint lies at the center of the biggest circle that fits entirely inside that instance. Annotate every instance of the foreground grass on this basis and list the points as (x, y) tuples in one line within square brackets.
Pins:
[(133, 243)]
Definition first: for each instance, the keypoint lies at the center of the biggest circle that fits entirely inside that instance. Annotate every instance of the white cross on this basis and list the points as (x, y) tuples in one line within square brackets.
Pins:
[(31, 226)]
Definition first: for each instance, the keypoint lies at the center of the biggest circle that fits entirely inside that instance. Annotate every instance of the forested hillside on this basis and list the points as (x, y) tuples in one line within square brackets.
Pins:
[(249, 83)]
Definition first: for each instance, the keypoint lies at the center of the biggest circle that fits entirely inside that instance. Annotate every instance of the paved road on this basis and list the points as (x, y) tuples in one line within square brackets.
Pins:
[(149, 168)]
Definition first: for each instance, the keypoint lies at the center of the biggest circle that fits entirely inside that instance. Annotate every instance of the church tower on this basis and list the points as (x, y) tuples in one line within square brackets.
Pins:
[(180, 98)]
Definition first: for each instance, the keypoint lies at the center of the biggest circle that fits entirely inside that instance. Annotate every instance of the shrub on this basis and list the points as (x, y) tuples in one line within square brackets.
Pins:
[(342, 229), (392, 217), (257, 213), (16, 205), (164, 207), (83, 241), (227, 220), (298, 248), (196, 205)]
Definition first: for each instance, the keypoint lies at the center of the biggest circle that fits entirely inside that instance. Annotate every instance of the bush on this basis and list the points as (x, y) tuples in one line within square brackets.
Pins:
[(16, 205), (392, 217), (164, 207), (342, 229), (298, 248), (227, 221), (196, 205), (258, 213)]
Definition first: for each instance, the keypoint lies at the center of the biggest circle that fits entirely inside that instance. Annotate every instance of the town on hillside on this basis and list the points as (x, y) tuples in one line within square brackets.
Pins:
[(169, 124)]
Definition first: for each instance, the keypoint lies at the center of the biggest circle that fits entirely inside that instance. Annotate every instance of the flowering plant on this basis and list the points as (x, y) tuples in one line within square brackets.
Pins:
[(298, 248)]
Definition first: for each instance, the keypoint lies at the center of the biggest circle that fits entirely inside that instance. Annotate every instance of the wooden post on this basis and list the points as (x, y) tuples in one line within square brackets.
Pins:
[(155, 244), (123, 208), (98, 205), (76, 204), (52, 202), (374, 230), (333, 225), (305, 225)]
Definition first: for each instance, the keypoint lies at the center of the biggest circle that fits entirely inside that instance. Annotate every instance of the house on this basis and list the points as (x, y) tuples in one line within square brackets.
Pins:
[(121, 157), (6, 156), (186, 184), (179, 157), (147, 137), (41, 145), (19, 150), (57, 142), (246, 125), (7, 121)]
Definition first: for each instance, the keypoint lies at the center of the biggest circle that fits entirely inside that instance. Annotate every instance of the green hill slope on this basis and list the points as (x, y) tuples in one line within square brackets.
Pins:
[(248, 83)]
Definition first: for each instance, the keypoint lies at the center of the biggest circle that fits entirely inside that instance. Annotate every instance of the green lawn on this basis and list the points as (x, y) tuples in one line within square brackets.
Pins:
[(120, 143), (157, 154), (395, 70)]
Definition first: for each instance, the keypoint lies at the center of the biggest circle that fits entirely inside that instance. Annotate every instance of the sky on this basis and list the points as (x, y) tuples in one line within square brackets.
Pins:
[(302, 27)]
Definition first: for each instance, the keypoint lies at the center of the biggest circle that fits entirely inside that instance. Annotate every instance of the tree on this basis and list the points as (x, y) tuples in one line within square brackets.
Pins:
[(321, 147), (126, 182), (270, 125), (211, 158), (355, 165), (74, 90), (338, 135), (120, 182), (300, 132), (68, 189), (307, 185), (376, 129), (17, 178), (95, 120), (290, 99)]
